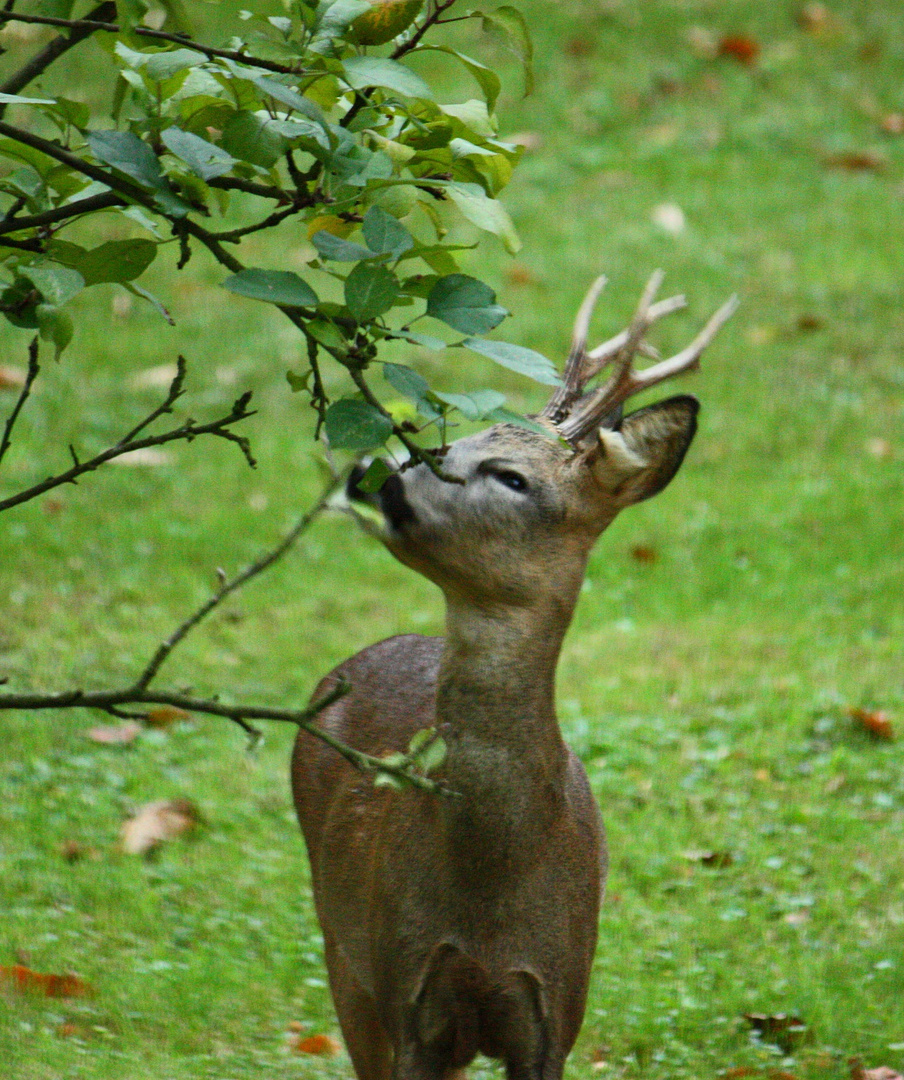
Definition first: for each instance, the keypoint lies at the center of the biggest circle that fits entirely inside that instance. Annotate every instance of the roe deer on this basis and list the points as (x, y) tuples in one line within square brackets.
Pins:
[(463, 924)]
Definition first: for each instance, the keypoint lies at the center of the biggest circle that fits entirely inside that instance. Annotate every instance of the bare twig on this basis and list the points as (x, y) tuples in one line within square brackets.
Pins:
[(227, 587), (187, 432), (94, 23), (30, 376)]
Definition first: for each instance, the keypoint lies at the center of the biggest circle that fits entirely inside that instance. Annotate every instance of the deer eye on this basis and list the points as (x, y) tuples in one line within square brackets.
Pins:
[(510, 479)]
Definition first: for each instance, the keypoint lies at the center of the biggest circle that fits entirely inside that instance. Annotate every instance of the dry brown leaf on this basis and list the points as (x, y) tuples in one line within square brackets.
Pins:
[(782, 1029), (737, 1072), (644, 553), (857, 161), (157, 822), (809, 322), (321, 1045), (892, 123), (26, 981), (876, 722), (74, 851), (164, 716), (740, 47), (718, 859), (11, 378), (703, 42), (814, 17), (519, 274), (115, 734)]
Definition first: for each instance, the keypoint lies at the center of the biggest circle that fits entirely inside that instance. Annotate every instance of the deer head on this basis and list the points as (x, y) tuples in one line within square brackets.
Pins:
[(519, 525)]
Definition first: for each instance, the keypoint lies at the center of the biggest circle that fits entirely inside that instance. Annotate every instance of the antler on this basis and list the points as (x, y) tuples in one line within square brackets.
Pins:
[(575, 413)]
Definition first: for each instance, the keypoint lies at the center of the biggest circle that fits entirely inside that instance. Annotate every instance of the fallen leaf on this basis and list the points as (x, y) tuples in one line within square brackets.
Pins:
[(797, 918), (876, 722), (72, 1031), (737, 1072), (579, 46), (74, 851), (530, 140), (703, 42), (814, 18), (763, 775), (879, 448), (27, 981), (322, 1045), (779, 1028), (893, 123), (670, 217), (519, 274), (115, 734), (835, 784), (809, 322), (881, 1072), (164, 716), (11, 378), (154, 377), (157, 822), (718, 859), (857, 161), (145, 455), (740, 47), (643, 553)]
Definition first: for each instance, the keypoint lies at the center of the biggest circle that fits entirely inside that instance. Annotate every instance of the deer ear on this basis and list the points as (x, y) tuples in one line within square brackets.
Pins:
[(637, 459)]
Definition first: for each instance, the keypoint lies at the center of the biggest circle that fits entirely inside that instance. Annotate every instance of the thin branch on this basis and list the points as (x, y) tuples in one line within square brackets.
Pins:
[(93, 23), (172, 396), (278, 216), (33, 368), (61, 213), (39, 63), (188, 431), (228, 587), (431, 20), (236, 183)]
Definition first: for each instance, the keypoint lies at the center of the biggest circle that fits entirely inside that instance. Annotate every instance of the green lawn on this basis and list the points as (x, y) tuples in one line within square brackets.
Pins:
[(706, 684)]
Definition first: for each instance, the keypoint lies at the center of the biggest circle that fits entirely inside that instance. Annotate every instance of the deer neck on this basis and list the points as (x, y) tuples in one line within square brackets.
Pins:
[(497, 679)]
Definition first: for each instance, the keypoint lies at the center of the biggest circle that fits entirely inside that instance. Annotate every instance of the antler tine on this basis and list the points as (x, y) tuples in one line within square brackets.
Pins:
[(574, 378), (625, 382), (604, 354)]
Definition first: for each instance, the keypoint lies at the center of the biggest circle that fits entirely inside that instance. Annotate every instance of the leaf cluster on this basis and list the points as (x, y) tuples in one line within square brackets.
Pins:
[(311, 121)]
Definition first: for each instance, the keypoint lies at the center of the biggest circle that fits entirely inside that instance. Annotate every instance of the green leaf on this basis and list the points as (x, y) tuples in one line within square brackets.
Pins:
[(137, 290), (352, 424), (333, 247), (408, 382), (56, 284), (512, 25), (364, 71), (201, 156), (386, 234), (516, 358), (476, 405), (333, 22), (253, 138), (433, 755), (54, 325), (487, 79), (465, 304), (426, 341), (126, 152), (370, 290), (14, 99), (375, 477), (287, 96), (117, 260), (274, 286), (485, 213), (164, 65)]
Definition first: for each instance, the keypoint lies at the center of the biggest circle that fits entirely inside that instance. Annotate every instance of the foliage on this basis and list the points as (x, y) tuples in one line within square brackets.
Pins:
[(297, 126)]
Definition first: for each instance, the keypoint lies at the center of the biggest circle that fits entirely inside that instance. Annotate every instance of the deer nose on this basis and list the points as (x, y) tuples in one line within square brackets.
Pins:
[(393, 503)]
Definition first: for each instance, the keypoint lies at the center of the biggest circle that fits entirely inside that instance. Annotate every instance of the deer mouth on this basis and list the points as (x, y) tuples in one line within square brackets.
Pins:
[(390, 498)]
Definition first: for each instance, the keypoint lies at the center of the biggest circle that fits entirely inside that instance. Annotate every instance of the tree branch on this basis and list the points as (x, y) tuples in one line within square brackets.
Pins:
[(33, 368), (61, 213), (53, 50), (187, 431), (415, 39), (95, 22)]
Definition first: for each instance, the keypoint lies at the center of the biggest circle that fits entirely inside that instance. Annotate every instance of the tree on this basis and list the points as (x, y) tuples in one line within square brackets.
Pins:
[(311, 116)]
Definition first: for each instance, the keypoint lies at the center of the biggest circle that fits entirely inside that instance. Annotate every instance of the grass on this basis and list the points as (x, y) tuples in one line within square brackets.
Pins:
[(706, 684)]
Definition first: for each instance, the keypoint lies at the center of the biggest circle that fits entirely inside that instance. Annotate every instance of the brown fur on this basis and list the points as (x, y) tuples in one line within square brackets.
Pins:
[(457, 925)]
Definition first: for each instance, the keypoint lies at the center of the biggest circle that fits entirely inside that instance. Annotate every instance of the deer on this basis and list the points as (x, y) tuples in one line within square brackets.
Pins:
[(462, 920)]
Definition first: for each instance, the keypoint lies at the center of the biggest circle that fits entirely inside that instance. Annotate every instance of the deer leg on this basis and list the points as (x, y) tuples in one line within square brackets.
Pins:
[(365, 1039)]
